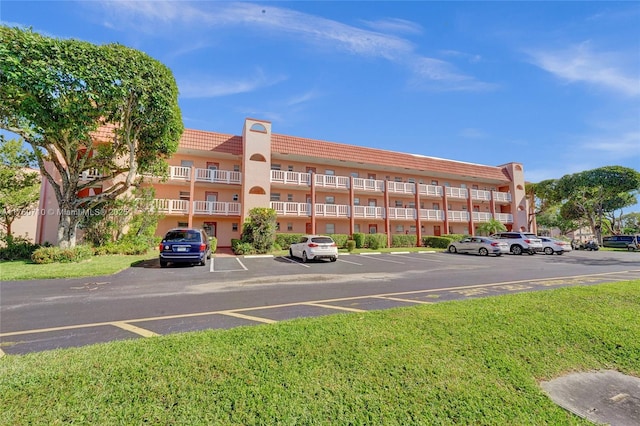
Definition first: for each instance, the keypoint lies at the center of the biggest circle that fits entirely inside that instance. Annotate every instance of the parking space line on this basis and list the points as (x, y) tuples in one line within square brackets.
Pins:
[(247, 317), (348, 261), (241, 264), (340, 308), (398, 299), (294, 261), (134, 329), (380, 258)]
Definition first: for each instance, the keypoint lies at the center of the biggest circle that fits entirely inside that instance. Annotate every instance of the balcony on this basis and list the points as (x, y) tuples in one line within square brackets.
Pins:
[(291, 209), (458, 216), (90, 174), (331, 181), (477, 194), (430, 190), (172, 206), (332, 210), (368, 212), (481, 217), (502, 197), (371, 185), (456, 192), (401, 187), (504, 217), (290, 178), (179, 173), (216, 208), (432, 215), (218, 176), (401, 213)]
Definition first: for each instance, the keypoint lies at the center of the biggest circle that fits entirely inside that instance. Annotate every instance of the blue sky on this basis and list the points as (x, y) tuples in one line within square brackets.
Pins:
[(553, 85)]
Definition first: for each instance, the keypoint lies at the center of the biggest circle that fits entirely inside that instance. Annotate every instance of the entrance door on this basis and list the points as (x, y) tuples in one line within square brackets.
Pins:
[(436, 230), (210, 228), (373, 229)]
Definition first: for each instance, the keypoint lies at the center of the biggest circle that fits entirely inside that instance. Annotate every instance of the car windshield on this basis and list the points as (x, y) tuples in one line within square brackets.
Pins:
[(322, 240), (183, 235)]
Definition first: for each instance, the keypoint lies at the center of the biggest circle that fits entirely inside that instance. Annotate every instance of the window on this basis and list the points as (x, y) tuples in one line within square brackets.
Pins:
[(290, 168), (236, 167), (354, 174), (434, 182), (463, 185), (183, 224), (372, 202), (275, 166), (356, 228), (356, 201), (290, 197), (436, 206), (185, 195), (275, 196), (447, 184), (186, 163), (289, 226), (330, 172), (330, 228), (397, 179), (411, 205), (235, 197), (329, 199), (400, 228), (234, 227), (412, 229), (398, 203), (474, 187), (411, 180), (213, 166)]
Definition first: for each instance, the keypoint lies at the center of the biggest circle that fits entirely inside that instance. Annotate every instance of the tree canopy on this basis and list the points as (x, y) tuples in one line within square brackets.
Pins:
[(589, 196), (60, 95)]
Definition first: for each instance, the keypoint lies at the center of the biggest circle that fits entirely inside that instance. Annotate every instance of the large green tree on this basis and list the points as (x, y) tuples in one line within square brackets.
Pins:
[(19, 184), (57, 93), (590, 195)]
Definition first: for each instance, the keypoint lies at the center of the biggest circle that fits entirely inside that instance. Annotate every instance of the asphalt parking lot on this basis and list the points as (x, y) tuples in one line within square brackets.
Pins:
[(146, 301)]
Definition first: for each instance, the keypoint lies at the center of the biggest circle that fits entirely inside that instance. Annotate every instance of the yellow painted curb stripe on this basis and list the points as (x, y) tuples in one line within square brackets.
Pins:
[(134, 329)]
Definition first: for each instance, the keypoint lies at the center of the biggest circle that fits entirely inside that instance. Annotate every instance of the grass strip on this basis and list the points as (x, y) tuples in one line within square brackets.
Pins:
[(465, 362)]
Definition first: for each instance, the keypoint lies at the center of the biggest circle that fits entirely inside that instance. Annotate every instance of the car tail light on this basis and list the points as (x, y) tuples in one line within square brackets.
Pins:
[(334, 245), (203, 247), (495, 244), (313, 245), (527, 241), (161, 247)]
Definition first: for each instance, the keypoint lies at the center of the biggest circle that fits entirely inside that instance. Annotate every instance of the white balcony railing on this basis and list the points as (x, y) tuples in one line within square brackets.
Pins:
[(478, 194), (180, 173), (368, 184), (218, 176), (456, 192), (401, 213), (216, 208), (481, 217), (502, 197), (432, 215), (291, 209), (401, 187), (290, 178), (430, 190), (172, 206), (368, 212), (458, 216), (332, 210), (504, 217), (331, 181), (90, 174)]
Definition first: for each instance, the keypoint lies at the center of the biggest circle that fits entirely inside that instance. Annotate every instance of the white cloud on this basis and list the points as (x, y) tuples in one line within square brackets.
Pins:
[(472, 133), (395, 25), (581, 63), (198, 86)]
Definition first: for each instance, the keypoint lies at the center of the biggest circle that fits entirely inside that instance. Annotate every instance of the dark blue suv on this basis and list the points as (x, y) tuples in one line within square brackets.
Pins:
[(185, 245)]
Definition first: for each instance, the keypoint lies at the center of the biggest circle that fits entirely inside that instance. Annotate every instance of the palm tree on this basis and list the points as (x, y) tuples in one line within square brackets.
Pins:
[(491, 227)]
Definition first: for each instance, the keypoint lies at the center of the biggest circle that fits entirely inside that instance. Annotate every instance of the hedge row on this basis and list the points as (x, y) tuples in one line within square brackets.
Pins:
[(45, 255)]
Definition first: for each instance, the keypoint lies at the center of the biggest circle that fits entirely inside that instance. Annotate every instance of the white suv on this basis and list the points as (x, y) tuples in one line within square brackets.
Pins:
[(520, 242)]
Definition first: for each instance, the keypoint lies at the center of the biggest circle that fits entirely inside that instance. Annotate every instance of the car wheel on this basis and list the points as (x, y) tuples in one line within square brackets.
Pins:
[(516, 249), (290, 253), (163, 264), (548, 250), (304, 257), (333, 259), (560, 253), (498, 254), (452, 249), (483, 251), (203, 262)]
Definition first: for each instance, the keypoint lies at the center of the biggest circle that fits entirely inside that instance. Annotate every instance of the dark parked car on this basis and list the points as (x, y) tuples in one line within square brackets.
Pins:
[(185, 245)]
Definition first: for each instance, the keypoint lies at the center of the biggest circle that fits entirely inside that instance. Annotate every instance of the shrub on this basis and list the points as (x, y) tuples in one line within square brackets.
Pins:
[(359, 238), (285, 240), (244, 248), (340, 239), (213, 242), (259, 229), (351, 245), (376, 241), (17, 248), (45, 255), (403, 240), (436, 242)]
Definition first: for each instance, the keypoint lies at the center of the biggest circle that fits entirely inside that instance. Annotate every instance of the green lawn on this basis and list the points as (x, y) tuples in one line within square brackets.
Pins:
[(97, 265), (473, 362)]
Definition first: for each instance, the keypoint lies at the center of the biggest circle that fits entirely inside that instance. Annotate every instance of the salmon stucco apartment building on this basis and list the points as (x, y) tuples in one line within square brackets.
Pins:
[(324, 187)]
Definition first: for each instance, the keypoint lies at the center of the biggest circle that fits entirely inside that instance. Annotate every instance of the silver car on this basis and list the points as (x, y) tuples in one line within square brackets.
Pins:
[(552, 245), (311, 247), (520, 242), (479, 245)]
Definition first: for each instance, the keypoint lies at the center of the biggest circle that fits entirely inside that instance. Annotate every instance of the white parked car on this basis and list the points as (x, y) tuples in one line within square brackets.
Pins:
[(520, 242), (553, 245), (479, 245), (311, 247)]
